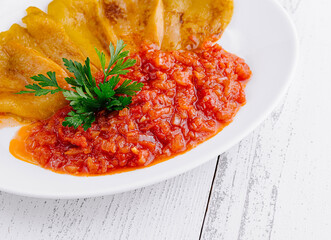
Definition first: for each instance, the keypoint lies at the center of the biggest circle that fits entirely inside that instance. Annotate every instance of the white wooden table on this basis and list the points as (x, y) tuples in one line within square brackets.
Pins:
[(275, 184)]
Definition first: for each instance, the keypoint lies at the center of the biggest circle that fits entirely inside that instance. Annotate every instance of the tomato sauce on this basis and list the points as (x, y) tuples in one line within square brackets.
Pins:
[(188, 97)]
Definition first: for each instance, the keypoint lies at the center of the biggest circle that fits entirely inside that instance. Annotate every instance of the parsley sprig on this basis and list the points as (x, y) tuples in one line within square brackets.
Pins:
[(86, 97)]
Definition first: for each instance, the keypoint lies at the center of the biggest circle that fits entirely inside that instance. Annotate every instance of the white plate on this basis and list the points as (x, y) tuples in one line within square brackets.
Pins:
[(261, 32)]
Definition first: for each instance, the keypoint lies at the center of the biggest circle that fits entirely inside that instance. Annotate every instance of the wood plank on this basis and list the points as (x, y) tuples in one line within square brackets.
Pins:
[(246, 185), (276, 183), (173, 209), (303, 206)]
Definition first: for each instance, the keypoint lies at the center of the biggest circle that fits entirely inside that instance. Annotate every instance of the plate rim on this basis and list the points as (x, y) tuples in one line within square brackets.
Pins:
[(180, 170)]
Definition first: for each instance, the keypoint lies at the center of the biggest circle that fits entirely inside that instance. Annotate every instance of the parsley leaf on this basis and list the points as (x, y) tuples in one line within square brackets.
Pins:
[(129, 88), (43, 81), (86, 97), (75, 120)]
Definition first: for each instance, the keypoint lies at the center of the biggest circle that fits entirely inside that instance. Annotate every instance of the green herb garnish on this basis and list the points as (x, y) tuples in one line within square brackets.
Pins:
[(87, 98)]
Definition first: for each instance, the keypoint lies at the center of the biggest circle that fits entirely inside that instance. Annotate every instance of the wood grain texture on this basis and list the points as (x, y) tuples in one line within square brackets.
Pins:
[(244, 196), (276, 183), (173, 209), (303, 210)]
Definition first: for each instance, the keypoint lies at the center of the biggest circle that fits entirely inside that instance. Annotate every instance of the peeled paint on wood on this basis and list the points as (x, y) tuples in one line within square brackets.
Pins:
[(84, 25)]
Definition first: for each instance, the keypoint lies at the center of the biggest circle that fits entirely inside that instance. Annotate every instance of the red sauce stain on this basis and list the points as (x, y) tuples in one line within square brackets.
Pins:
[(17, 145), (18, 149), (188, 97)]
